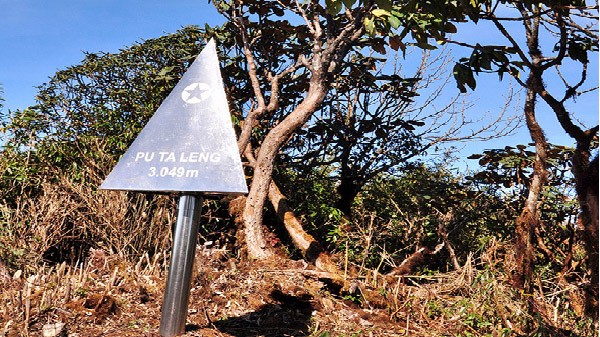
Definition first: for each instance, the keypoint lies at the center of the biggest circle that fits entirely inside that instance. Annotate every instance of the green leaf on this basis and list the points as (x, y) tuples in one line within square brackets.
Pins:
[(379, 47), (449, 27), (396, 43), (380, 12), (394, 21), (463, 76), (164, 71), (369, 26), (349, 3), (334, 6), (384, 4), (485, 62)]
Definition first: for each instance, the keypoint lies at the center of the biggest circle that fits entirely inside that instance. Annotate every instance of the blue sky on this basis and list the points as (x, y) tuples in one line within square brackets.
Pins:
[(37, 38)]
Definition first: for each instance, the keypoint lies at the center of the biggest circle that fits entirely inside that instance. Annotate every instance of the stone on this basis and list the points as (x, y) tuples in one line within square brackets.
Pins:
[(54, 330)]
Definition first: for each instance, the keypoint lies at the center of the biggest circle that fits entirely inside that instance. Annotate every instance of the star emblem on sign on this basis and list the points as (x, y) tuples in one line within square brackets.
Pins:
[(195, 93)]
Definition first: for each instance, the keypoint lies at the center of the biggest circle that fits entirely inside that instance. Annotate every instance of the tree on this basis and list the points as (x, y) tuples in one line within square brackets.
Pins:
[(304, 50), (363, 128), (425, 207), (570, 29), (511, 169), (368, 126)]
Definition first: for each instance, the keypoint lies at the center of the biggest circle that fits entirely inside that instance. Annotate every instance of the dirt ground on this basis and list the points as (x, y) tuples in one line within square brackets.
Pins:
[(228, 298), (106, 296)]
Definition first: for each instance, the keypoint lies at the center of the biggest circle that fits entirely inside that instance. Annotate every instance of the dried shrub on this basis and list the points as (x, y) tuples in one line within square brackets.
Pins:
[(478, 300), (68, 215)]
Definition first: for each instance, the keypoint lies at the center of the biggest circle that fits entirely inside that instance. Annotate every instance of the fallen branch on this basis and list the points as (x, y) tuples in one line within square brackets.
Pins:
[(414, 260), (311, 250), (444, 235)]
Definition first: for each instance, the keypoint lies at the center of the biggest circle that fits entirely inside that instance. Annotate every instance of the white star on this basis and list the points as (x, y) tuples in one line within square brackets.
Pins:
[(195, 93)]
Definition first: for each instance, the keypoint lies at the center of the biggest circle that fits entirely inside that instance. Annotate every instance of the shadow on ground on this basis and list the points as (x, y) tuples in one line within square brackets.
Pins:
[(289, 316)]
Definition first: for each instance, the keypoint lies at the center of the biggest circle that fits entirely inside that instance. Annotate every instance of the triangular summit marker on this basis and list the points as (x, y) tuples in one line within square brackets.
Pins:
[(189, 144)]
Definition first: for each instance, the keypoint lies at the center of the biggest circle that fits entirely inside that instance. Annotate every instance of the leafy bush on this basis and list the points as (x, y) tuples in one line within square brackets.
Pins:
[(395, 215), (57, 152)]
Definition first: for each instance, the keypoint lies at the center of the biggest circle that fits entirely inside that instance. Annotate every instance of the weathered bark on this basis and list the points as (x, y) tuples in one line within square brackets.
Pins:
[(306, 243), (584, 171), (522, 275), (263, 169), (586, 177), (529, 219), (586, 186)]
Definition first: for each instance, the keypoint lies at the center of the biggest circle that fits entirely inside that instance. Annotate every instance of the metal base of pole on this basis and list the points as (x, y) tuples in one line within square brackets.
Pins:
[(177, 291)]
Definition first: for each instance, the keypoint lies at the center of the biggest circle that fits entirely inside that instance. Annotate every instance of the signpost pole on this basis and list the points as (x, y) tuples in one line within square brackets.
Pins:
[(187, 146), (177, 292)]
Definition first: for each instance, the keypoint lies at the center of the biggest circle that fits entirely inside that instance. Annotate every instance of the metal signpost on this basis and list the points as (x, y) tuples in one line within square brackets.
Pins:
[(188, 146), (177, 291)]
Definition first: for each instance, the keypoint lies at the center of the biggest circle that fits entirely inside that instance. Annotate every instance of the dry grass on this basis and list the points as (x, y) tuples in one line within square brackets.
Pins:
[(96, 261), (67, 219), (109, 296), (86, 297)]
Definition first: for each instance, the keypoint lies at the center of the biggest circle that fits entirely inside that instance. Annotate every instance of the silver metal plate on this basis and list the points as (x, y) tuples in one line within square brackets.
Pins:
[(189, 144)]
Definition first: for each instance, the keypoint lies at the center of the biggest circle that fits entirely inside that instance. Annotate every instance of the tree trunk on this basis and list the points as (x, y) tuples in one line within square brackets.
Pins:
[(584, 171), (263, 168), (529, 219), (586, 186), (348, 190), (414, 260), (586, 181), (323, 61)]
